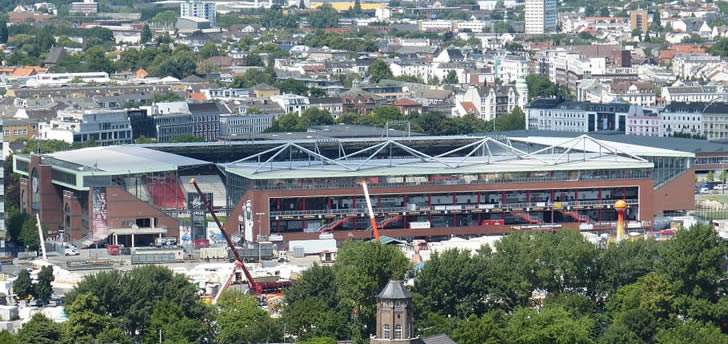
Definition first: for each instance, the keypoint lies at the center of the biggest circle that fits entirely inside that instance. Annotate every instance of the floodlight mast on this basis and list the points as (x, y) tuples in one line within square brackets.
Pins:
[(371, 212)]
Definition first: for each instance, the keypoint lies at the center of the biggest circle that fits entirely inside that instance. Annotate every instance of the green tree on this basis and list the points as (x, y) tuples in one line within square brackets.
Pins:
[(484, 330), (324, 17), (143, 139), (177, 65), (624, 263), (539, 86), (96, 60), (379, 70), (146, 34), (7, 337), (28, 236), (168, 319), (85, 319), (45, 146), (356, 11), (3, 32), (450, 78), (709, 176), (452, 284), (186, 138), (653, 292), (318, 340), (550, 325), (40, 330), (126, 296), (240, 320), (362, 270), (43, 289), (166, 17), (691, 332), (293, 86), (692, 260), (23, 286), (210, 49)]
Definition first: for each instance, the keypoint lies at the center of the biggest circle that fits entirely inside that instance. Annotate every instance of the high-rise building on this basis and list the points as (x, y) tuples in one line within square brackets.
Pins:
[(638, 20), (199, 9), (541, 16)]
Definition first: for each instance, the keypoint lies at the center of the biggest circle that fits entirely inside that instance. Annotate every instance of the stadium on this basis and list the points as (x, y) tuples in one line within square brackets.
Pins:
[(421, 187)]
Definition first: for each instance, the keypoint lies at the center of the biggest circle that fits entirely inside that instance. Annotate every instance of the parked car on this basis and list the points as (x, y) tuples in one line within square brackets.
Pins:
[(71, 251), (704, 190)]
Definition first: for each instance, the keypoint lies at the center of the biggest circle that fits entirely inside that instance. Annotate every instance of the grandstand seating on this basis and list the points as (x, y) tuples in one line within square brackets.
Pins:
[(166, 192)]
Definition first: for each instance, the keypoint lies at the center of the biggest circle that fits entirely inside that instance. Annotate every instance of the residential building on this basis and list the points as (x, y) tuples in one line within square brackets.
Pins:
[(541, 16), (84, 7), (331, 104), (206, 119), (291, 103), (695, 94), (491, 102), (643, 125), (407, 106), (715, 122), (360, 102), (236, 125), (682, 118), (199, 9), (639, 20), (265, 91), (562, 115), (626, 91), (19, 129), (173, 125), (101, 127)]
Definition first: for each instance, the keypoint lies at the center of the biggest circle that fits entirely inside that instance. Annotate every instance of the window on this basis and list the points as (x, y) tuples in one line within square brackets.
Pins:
[(398, 331), (385, 331)]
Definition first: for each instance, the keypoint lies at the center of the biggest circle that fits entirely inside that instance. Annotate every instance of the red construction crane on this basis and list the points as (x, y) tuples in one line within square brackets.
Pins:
[(255, 288)]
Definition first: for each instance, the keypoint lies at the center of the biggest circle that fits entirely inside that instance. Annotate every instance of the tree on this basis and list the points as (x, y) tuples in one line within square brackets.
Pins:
[(293, 86), (624, 263), (40, 330), (126, 296), (604, 12), (319, 340), (43, 289), (165, 17), (483, 330), (240, 320), (653, 292), (691, 332), (23, 286), (85, 320), (362, 270), (539, 86), (589, 11), (356, 11), (168, 319), (186, 138), (450, 78), (146, 34), (301, 5), (379, 70), (709, 176), (7, 337), (451, 284), (550, 325), (325, 17), (210, 49), (177, 65), (28, 236), (692, 260), (3, 32)]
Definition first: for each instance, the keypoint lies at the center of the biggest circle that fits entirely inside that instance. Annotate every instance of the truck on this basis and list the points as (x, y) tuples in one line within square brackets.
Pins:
[(161, 242)]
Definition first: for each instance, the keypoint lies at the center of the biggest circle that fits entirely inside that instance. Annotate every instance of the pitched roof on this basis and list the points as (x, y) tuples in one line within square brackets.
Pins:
[(264, 87), (405, 102), (394, 290), (438, 339), (469, 107), (54, 55)]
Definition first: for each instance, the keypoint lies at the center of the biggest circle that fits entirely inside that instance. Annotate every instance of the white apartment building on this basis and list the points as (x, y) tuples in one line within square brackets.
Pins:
[(291, 103), (491, 102), (510, 68), (420, 69), (199, 9), (541, 16), (693, 94), (643, 126), (683, 118), (84, 7), (561, 115)]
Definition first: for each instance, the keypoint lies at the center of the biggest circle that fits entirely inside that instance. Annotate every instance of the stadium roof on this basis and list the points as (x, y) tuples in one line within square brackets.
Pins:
[(643, 151), (649, 145), (111, 160), (393, 158)]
